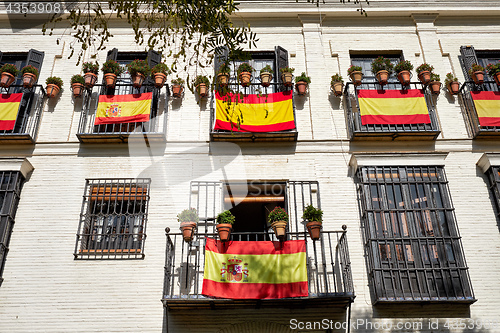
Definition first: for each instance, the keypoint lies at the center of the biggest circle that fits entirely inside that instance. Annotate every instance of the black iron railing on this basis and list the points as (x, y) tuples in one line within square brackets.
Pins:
[(358, 130), (328, 270)]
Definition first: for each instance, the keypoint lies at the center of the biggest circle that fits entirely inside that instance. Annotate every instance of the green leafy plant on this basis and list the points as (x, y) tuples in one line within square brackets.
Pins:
[(112, 67), (313, 214), (354, 68), (476, 68), (178, 81), (493, 69), (287, 70), (226, 217), (188, 215), (139, 66), (425, 67), (9, 68), (30, 69), (404, 65), (54, 80), (336, 78), (277, 214), (435, 77), (303, 77), (245, 67), (201, 79), (90, 67), (267, 69), (381, 64), (161, 68), (450, 78), (224, 68), (77, 78)]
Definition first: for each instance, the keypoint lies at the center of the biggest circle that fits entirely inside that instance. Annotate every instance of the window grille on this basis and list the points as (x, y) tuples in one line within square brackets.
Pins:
[(412, 242), (113, 219), (493, 175)]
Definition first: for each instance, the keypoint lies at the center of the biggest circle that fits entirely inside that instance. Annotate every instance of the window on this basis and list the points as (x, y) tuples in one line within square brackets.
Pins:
[(365, 62), (113, 220), (470, 56), (412, 243), (11, 183), (493, 175)]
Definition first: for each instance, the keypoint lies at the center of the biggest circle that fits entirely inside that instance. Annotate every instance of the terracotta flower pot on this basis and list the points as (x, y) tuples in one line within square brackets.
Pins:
[(188, 229), (435, 87), (337, 88), (222, 79), (160, 79), (478, 77), (453, 87), (356, 77), (52, 90), (6, 80), (382, 77), (265, 79), (202, 90), (404, 78), (496, 77), (314, 229), (138, 80), (110, 80), (301, 87), (279, 228), (77, 89), (245, 78), (287, 79), (424, 77), (224, 230), (29, 80), (177, 90), (90, 79)]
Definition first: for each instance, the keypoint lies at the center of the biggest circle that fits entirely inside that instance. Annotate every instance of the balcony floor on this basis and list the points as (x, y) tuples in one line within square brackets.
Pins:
[(120, 137)]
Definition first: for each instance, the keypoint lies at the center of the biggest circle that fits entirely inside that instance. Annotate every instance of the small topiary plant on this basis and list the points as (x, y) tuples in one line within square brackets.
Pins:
[(381, 64), (303, 77), (435, 77), (9, 68), (287, 70), (224, 68), (139, 66), (178, 81), (90, 67), (404, 65), (313, 214), (450, 78), (267, 69), (354, 68), (161, 68), (112, 67), (493, 69), (54, 80), (425, 67), (30, 69), (277, 214), (201, 79), (226, 217), (336, 78), (77, 78), (188, 215), (245, 67)]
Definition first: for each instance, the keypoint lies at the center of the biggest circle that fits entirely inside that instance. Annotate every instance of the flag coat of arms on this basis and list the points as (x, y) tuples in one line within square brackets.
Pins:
[(487, 105), (9, 108), (254, 113), (255, 269), (393, 107), (119, 109)]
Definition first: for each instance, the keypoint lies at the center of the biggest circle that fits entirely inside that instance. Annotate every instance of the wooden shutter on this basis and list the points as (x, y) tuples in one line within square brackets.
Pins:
[(35, 59), (1, 53), (154, 58), (112, 55), (281, 62), (221, 55), (467, 59)]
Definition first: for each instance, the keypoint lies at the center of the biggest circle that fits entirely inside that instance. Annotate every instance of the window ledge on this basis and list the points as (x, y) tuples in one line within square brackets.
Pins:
[(16, 164), (427, 159), (488, 160)]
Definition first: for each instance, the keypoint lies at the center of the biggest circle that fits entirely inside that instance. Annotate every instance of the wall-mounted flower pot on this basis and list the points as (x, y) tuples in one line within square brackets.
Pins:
[(29, 80), (453, 87), (382, 77), (279, 228), (356, 77), (245, 78), (223, 79), (77, 89), (314, 229), (110, 80), (52, 90), (337, 88), (265, 79), (90, 79), (202, 90), (138, 80), (177, 90), (287, 79), (478, 77), (160, 79), (188, 229), (496, 77), (6, 80), (224, 230), (424, 77), (404, 78), (301, 87), (435, 87)]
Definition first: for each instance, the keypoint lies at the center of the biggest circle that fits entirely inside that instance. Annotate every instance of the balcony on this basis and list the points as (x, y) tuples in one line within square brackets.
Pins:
[(358, 131), (328, 269), (235, 135), (474, 127), (25, 129), (153, 130)]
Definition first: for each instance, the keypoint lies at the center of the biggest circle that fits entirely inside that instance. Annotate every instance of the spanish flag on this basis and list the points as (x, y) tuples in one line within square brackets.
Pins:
[(393, 107), (487, 105), (9, 107), (254, 113), (118, 109), (255, 269)]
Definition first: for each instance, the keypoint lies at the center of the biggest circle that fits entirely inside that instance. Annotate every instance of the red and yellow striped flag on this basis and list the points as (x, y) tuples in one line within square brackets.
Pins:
[(9, 107), (118, 109), (393, 107), (487, 105), (256, 113), (255, 269)]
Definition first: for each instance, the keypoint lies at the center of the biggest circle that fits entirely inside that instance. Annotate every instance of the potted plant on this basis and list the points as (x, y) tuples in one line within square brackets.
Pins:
[(177, 87), (30, 74), (90, 71), (451, 82), (77, 84), (54, 85), (139, 70), (403, 69), (225, 221), (202, 84), (8, 75), (382, 68), (188, 219), (301, 83), (476, 72), (435, 84), (337, 84), (111, 70), (424, 73), (494, 72), (278, 218), (287, 76), (356, 74), (223, 74), (266, 75), (314, 218), (245, 74), (159, 74)]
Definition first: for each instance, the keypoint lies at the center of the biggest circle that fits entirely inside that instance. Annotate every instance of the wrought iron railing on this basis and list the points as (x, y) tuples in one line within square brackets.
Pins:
[(357, 129), (154, 129), (28, 118), (328, 268)]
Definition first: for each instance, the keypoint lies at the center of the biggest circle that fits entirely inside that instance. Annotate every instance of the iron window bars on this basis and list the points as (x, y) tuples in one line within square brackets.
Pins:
[(11, 183), (113, 219), (412, 243), (493, 175)]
